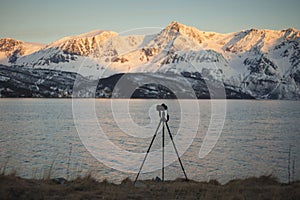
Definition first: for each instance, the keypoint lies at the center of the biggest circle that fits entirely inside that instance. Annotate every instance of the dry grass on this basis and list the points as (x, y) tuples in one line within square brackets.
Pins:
[(265, 187)]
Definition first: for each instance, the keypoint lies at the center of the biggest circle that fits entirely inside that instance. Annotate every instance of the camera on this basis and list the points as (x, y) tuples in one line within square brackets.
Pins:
[(162, 107)]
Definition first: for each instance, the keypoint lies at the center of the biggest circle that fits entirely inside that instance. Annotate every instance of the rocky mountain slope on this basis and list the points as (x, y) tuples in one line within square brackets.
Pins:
[(28, 82), (262, 64), (11, 50)]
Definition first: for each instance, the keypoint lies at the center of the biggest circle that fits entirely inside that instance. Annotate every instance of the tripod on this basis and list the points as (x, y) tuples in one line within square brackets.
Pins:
[(164, 118)]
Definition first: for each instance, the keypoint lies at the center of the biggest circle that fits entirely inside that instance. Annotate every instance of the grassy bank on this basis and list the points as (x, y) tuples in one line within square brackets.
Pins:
[(264, 187)]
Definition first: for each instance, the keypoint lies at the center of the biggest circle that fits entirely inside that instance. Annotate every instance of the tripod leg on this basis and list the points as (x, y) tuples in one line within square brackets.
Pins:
[(148, 151), (176, 151), (163, 154)]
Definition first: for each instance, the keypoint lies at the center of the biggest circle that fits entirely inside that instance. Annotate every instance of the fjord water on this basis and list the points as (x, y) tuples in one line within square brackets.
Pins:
[(39, 139)]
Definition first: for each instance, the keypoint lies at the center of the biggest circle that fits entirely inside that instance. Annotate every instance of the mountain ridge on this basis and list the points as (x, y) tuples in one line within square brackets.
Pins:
[(261, 63)]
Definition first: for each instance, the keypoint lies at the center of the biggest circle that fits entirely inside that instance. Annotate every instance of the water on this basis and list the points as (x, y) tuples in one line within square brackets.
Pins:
[(39, 139)]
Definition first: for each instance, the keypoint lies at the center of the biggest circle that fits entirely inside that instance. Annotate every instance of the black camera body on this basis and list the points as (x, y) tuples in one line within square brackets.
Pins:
[(162, 107)]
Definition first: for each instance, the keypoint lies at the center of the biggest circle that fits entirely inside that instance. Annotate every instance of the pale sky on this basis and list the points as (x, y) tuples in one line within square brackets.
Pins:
[(45, 21)]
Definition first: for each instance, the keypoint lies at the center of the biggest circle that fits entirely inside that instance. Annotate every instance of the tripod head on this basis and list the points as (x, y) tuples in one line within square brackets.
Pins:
[(163, 112)]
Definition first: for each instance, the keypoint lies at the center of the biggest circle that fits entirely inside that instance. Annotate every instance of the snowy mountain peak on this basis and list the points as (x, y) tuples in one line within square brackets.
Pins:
[(177, 36), (188, 31), (175, 26), (99, 34), (291, 30), (9, 44), (292, 33), (83, 44), (95, 33), (11, 49)]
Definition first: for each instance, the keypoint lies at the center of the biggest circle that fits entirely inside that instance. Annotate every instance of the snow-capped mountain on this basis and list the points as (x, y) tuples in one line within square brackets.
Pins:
[(84, 44), (11, 49), (259, 63)]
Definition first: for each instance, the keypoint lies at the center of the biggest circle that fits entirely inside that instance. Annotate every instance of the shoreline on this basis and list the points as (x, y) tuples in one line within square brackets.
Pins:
[(263, 187)]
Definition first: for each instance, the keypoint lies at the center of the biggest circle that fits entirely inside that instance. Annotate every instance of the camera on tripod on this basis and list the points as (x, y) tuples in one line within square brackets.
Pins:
[(163, 112), (164, 118), (162, 107)]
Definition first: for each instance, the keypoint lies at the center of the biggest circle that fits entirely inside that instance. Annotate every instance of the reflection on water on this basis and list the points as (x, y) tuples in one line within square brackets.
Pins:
[(38, 138)]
